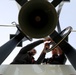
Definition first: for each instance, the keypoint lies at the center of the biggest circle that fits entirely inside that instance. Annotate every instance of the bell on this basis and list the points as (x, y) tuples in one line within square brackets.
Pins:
[(37, 18)]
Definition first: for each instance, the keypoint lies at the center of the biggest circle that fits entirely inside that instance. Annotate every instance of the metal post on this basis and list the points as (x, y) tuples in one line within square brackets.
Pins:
[(7, 48)]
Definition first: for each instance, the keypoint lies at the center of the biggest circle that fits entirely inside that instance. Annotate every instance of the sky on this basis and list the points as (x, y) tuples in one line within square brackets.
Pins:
[(9, 13)]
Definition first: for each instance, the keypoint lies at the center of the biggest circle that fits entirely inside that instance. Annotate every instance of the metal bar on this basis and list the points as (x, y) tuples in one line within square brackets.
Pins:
[(7, 48), (21, 2), (7, 25), (66, 47), (59, 10), (56, 2)]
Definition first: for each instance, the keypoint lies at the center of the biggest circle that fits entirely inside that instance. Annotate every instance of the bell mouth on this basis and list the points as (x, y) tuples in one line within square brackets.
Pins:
[(37, 19)]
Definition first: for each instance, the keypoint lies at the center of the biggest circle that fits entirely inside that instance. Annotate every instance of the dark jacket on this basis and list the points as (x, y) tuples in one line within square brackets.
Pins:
[(23, 56), (56, 59)]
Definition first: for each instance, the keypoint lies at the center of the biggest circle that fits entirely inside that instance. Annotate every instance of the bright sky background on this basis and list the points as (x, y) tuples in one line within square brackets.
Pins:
[(9, 13)]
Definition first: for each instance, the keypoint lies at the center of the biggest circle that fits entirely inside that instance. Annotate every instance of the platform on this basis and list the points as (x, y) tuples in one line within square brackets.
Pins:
[(37, 70)]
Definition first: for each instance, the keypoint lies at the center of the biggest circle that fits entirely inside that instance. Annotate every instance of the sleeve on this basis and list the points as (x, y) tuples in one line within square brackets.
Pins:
[(30, 46), (41, 58), (45, 60)]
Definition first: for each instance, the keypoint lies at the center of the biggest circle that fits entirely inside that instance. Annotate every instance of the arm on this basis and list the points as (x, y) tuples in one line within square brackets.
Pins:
[(31, 46), (41, 58), (42, 55)]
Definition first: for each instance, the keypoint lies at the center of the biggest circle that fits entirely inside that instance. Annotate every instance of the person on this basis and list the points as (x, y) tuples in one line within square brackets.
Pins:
[(26, 54), (43, 53), (58, 56)]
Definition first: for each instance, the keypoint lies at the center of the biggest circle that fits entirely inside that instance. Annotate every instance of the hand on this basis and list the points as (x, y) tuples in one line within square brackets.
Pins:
[(47, 47)]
